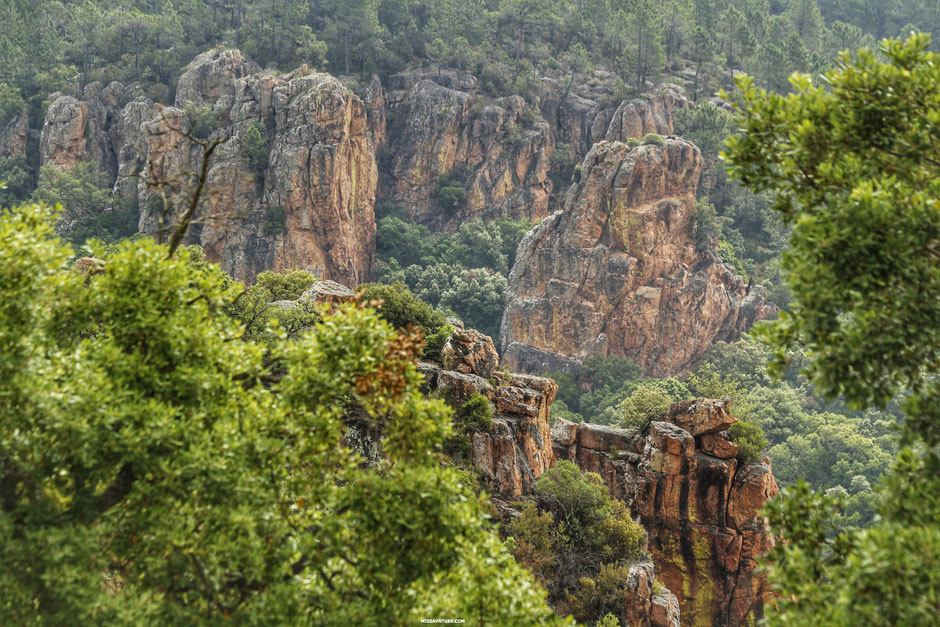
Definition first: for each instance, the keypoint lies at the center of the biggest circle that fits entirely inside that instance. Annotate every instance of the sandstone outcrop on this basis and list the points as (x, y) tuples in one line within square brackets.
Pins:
[(498, 155), (518, 448), (78, 129), (700, 510), (643, 606), (618, 272), (307, 203)]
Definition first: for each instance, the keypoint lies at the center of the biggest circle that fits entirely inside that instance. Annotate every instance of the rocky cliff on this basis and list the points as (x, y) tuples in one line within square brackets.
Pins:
[(699, 508), (618, 271), (303, 199), (496, 151)]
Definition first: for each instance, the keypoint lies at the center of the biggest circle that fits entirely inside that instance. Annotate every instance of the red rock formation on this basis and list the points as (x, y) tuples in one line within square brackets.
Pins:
[(642, 606), (469, 351), (311, 206), (76, 129), (617, 272), (438, 130), (700, 511)]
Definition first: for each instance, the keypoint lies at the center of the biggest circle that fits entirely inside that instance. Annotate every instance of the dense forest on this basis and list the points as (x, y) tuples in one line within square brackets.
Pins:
[(178, 445)]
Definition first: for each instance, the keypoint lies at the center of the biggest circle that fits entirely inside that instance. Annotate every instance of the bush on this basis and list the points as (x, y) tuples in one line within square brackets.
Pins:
[(15, 173), (750, 439), (11, 103), (652, 138), (275, 220), (285, 285), (648, 402), (633, 142), (255, 149), (473, 416), (449, 191), (602, 595), (201, 120), (402, 308)]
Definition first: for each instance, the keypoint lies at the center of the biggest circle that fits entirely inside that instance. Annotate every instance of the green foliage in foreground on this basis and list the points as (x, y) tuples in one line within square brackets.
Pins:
[(153, 471), (579, 542), (853, 167)]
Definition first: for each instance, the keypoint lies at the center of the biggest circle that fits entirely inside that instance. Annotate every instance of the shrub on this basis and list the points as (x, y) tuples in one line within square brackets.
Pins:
[(11, 103), (513, 136), (652, 138), (201, 120), (449, 191), (529, 116), (604, 594), (473, 416), (402, 308), (275, 220), (255, 149), (434, 343), (285, 285), (750, 439)]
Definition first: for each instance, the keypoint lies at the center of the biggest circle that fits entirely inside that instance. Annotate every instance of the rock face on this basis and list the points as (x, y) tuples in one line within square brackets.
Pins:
[(518, 449), (643, 606), (13, 136), (77, 129), (495, 152), (700, 510), (307, 203), (617, 271)]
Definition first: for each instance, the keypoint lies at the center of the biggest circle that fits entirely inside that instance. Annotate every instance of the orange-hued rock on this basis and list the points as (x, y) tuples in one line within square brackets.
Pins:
[(436, 128), (311, 204), (77, 129), (518, 448), (618, 272), (469, 351), (651, 114), (645, 608), (700, 511), (328, 293)]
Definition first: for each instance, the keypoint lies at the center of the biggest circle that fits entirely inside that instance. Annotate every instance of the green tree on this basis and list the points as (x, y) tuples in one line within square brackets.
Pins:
[(852, 165), (155, 471), (648, 402), (83, 192)]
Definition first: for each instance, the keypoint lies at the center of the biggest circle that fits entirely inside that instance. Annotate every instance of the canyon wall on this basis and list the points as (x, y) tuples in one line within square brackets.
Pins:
[(303, 199), (699, 506), (618, 271)]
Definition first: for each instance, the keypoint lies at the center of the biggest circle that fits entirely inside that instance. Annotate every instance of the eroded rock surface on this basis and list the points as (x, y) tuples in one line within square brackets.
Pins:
[(700, 511), (487, 147), (307, 203), (618, 272), (14, 133), (78, 129), (518, 449)]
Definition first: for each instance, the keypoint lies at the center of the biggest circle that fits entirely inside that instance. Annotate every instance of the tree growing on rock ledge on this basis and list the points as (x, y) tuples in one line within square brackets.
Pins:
[(855, 169), (153, 470)]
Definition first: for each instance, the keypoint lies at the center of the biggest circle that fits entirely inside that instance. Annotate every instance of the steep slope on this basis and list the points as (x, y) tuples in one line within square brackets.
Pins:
[(698, 506), (496, 154), (306, 201), (618, 272)]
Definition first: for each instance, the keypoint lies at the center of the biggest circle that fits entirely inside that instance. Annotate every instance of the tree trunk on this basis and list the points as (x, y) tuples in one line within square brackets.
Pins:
[(346, 50)]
